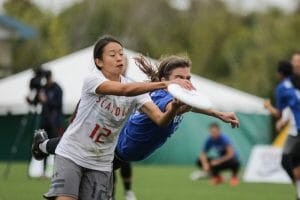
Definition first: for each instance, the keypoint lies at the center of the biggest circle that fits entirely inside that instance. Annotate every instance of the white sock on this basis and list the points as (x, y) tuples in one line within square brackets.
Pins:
[(298, 188), (43, 146)]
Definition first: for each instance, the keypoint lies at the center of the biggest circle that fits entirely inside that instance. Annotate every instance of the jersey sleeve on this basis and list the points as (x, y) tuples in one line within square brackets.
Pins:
[(92, 82), (285, 96), (142, 99), (164, 102), (286, 115), (225, 141), (281, 101)]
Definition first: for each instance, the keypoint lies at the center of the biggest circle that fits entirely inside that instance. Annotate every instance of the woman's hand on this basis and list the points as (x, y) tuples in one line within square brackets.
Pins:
[(229, 117), (183, 83)]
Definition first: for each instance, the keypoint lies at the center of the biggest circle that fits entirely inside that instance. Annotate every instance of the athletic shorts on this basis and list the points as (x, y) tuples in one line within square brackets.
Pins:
[(70, 179), (292, 150)]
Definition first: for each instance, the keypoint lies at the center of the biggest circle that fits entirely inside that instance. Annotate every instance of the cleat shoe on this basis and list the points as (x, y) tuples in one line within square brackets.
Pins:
[(129, 195), (40, 136), (196, 175), (234, 181), (216, 180)]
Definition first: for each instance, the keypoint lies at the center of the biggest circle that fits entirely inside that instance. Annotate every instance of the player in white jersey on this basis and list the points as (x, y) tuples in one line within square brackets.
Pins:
[(83, 162)]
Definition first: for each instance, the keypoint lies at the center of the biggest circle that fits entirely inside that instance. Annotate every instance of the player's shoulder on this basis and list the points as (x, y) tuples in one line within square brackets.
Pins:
[(285, 84), (125, 79), (224, 137), (159, 93), (93, 74)]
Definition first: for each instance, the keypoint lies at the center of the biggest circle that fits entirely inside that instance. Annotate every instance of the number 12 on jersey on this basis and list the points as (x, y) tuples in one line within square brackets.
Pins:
[(99, 133)]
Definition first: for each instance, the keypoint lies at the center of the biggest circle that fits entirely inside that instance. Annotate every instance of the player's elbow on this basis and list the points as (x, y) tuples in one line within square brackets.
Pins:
[(161, 122), (230, 155)]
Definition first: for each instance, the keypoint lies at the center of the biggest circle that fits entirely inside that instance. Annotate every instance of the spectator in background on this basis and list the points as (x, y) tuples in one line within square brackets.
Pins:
[(50, 98), (226, 157)]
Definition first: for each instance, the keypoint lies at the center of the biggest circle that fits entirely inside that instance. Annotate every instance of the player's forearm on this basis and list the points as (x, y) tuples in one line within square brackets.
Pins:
[(274, 112), (229, 155), (166, 118), (224, 158), (133, 89), (209, 112), (129, 89), (204, 161)]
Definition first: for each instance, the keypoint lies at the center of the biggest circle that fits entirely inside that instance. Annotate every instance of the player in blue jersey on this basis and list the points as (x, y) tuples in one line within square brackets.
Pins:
[(284, 117), (288, 95), (140, 137), (225, 159), (284, 72)]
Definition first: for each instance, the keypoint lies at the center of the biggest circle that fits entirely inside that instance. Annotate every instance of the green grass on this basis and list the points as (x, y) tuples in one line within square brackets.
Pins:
[(149, 183)]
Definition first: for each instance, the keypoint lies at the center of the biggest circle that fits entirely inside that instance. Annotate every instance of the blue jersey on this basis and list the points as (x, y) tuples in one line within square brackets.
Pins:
[(219, 145), (141, 136), (289, 96)]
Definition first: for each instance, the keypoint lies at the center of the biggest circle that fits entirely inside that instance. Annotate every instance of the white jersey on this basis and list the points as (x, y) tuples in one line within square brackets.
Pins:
[(287, 115), (91, 138)]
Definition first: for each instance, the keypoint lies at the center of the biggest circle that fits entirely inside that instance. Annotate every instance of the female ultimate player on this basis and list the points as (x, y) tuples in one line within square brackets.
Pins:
[(141, 136), (84, 155)]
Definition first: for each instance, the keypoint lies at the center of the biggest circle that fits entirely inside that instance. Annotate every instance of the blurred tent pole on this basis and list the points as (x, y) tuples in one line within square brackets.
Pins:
[(32, 115)]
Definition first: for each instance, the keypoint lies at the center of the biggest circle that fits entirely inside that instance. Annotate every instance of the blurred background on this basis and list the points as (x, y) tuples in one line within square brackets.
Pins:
[(234, 45)]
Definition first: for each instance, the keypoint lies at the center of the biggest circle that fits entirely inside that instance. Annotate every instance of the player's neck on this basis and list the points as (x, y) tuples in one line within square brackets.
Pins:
[(112, 77)]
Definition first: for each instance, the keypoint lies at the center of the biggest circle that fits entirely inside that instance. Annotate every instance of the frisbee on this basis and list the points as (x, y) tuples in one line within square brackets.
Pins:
[(190, 97)]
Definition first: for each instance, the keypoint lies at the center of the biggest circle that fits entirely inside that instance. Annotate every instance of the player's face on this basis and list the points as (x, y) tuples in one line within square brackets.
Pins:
[(215, 132), (112, 59), (181, 72), (296, 64)]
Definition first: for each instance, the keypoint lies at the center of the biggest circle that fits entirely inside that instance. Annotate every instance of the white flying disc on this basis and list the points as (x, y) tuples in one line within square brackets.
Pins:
[(190, 97)]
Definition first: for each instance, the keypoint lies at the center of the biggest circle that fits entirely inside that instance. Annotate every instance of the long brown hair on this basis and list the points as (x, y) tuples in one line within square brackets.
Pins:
[(165, 68)]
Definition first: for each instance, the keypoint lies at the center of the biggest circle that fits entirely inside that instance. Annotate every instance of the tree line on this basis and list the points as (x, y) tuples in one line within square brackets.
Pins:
[(236, 49)]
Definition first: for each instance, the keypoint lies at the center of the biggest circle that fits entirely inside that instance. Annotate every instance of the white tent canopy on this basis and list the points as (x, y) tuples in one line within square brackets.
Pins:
[(69, 71)]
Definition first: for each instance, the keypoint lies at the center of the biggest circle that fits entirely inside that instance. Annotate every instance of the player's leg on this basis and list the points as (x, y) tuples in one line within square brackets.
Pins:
[(286, 164), (40, 136), (295, 163), (234, 166), (114, 184), (215, 173), (42, 146), (126, 174), (96, 185), (296, 173), (65, 181), (286, 160)]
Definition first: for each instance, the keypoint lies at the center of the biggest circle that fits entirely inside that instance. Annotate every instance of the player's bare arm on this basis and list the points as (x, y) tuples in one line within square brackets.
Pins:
[(229, 155), (133, 89), (158, 117), (204, 161), (228, 117)]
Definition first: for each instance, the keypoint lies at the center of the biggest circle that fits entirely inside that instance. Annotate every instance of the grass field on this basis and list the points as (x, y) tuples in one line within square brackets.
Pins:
[(151, 182)]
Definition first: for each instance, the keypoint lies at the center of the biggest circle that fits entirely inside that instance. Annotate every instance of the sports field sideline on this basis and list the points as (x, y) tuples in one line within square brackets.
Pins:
[(151, 183)]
